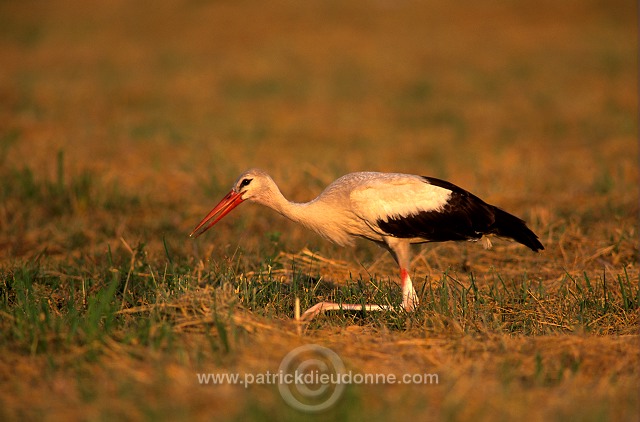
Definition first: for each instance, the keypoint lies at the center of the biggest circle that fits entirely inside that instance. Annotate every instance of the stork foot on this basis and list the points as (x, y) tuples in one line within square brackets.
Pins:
[(310, 313), (409, 303)]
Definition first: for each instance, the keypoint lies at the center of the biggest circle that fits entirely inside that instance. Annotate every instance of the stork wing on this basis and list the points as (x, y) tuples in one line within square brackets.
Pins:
[(421, 208), (394, 197)]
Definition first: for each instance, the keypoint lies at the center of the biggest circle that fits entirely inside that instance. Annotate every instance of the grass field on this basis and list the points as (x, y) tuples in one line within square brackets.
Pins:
[(122, 124)]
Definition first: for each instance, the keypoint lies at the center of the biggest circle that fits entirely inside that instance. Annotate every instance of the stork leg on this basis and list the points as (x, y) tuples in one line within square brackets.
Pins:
[(409, 296), (400, 250)]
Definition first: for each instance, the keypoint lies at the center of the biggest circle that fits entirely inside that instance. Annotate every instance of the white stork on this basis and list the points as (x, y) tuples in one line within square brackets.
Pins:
[(391, 209)]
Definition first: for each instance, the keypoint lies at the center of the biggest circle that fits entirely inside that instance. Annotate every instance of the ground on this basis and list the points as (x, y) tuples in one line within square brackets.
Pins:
[(122, 124)]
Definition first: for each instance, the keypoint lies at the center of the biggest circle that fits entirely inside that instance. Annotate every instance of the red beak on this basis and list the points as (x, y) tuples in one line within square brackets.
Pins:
[(229, 202)]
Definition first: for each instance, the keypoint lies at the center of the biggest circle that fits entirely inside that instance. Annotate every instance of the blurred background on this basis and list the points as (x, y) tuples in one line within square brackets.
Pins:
[(529, 104)]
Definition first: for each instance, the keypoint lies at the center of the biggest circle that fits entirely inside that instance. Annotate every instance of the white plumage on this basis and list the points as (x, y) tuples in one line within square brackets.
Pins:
[(381, 196), (391, 209)]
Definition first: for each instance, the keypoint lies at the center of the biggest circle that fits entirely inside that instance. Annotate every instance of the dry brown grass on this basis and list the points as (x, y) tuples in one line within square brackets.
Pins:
[(532, 106)]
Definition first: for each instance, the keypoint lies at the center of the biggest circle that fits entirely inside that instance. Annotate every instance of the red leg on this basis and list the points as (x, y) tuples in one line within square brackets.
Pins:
[(409, 296)]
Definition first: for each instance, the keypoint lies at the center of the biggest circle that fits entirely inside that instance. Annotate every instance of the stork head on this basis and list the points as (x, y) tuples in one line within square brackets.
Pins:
[(253, 185)]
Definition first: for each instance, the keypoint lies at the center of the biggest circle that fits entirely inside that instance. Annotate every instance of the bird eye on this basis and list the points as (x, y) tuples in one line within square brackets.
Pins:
[(245, 182)]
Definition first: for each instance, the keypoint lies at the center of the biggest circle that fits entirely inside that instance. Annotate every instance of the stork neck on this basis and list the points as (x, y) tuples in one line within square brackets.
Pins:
[(296, 211), (309, 214), (316, 215)]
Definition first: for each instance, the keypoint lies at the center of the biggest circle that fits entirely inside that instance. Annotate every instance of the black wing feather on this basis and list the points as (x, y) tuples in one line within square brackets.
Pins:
[(464, 217)]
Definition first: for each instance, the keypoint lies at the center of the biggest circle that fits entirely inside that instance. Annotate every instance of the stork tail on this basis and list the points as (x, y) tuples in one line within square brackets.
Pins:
[(507, 225)]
